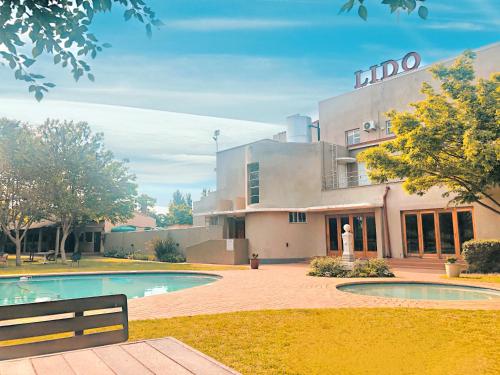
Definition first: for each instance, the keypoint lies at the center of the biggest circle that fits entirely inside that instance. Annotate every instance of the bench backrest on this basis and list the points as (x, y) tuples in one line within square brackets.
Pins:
[(69, 319)]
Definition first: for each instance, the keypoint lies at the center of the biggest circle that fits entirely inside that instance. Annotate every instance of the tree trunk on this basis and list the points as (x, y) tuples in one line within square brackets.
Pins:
[(62, 246), (76, 234), (18, 243)]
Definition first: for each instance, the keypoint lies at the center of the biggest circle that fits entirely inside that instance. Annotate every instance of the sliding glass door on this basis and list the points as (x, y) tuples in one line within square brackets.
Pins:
[(437, 232)]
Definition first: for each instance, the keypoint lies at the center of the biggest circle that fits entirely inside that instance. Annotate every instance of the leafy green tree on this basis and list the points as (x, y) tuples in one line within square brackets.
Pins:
[(179, 210), (21, 197), (162, 220), (450, 140), (180, 214), (60, 28), (394, 5), (145, 203), (83, 180)]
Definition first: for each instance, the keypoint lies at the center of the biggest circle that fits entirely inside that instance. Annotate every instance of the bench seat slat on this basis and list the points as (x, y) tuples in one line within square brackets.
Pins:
[(79, 323), (30, 310), (62, 345)]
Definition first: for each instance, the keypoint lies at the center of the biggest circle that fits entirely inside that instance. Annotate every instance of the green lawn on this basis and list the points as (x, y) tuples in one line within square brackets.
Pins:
[(341, 341), (486, 278), (107, 264)]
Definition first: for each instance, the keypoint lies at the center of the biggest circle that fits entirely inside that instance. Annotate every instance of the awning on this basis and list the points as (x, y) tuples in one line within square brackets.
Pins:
[(337, 207)]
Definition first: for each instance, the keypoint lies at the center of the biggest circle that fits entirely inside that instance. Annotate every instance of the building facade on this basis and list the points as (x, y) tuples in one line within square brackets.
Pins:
[(290, 196)]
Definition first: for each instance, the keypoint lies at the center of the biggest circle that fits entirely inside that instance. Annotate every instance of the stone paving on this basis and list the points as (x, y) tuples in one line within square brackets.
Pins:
[(286, 287)]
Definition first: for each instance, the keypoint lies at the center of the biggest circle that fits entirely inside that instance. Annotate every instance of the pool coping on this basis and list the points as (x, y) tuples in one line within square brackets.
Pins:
[(83, 273)]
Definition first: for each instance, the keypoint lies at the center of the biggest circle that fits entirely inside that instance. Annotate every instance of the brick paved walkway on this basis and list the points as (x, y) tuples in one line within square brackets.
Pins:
[(283, 287)]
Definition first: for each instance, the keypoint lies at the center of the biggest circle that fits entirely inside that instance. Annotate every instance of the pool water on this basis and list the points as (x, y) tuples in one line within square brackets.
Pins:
[(428, 291), (16, 290)]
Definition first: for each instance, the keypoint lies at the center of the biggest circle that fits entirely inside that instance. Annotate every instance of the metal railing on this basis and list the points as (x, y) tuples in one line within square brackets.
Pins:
[(332, 181)]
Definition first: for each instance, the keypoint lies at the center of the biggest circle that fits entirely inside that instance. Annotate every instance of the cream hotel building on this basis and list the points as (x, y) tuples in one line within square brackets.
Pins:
[(287, 198)]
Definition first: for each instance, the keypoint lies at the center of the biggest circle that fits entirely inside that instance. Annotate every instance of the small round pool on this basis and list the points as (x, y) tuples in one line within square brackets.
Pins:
[(428, 291), (16, 290)]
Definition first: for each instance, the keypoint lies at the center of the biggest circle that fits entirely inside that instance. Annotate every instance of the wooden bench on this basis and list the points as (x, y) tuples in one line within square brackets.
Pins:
[(69, 316)]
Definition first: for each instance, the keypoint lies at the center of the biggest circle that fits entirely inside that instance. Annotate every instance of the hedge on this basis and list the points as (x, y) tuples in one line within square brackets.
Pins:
[(482, 256)]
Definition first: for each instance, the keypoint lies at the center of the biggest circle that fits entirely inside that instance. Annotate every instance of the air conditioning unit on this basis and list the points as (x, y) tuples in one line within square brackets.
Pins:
[(369, 126)]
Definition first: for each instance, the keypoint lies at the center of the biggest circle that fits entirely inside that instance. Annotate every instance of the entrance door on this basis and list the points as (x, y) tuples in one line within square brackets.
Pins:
[(97, 242), (437, 232), (364, 231)]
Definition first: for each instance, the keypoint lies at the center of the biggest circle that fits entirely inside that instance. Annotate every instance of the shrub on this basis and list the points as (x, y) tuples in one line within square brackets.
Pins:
[(328, 267), (371, 268), (166, 251), (333, 267), (482, 256), (140, 256), (117, 253)]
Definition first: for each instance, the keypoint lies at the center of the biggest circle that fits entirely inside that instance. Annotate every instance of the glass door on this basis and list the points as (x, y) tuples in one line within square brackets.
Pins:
[(446, 233), (363, 229), (437, 232), (429, 233), (411, 234), (334, 240)]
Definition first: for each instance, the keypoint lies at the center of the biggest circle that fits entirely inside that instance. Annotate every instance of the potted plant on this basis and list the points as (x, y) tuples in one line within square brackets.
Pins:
[(453, 268), (254, 261)]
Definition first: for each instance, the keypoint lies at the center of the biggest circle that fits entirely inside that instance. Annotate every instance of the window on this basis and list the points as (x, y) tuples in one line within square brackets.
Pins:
[(89, 236), (213, 220), (388, 128), (297, 217), (353, 137), (253, 183)]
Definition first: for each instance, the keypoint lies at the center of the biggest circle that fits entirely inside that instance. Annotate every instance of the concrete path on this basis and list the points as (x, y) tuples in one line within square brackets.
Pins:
[(165, 356), (283, 287)]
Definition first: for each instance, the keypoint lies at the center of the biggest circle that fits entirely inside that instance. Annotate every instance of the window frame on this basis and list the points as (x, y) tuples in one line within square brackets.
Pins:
[(252, 177), (388, 128), (437, 230), (297, 217), (353, 132)]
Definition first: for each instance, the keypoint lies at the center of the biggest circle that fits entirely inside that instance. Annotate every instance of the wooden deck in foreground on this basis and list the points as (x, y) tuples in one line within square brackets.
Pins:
[(161, 356)]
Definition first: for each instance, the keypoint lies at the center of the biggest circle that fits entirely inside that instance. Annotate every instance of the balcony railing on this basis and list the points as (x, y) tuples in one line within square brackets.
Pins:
[(345, 180)]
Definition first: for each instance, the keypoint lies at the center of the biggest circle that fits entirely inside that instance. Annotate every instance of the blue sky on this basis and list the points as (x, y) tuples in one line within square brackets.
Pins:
[(257, 61)]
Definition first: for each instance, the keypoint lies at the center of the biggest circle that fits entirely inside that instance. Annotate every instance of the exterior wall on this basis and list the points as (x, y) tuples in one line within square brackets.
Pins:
[(290, 173), (270, 232), (185, 237), (215, 252), (138, 220), (350, 110)]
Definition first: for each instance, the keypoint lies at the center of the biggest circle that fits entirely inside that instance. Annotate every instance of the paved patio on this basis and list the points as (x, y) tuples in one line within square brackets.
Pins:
[(165, 356), (284, 287)]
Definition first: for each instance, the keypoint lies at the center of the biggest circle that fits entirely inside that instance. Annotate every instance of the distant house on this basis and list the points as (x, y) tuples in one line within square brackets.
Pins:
[(45, 235), (139, 220)]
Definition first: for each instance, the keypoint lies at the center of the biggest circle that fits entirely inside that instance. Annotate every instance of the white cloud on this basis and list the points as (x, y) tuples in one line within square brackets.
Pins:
[(245, 87), (463, 26), (167, 150), (226, 24)]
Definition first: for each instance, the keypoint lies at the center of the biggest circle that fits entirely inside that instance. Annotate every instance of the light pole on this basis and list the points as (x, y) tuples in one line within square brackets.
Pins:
[(216, 138)]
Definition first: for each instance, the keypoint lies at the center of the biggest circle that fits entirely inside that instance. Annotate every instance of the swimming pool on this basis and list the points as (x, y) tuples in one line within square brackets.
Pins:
[(16, 290), (428, 291)]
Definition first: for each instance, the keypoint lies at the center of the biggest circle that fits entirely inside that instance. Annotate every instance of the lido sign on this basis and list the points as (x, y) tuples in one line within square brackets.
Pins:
[(389, 68)]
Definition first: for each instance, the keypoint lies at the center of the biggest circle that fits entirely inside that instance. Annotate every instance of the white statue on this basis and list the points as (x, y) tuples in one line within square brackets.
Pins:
[(348, 242)]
